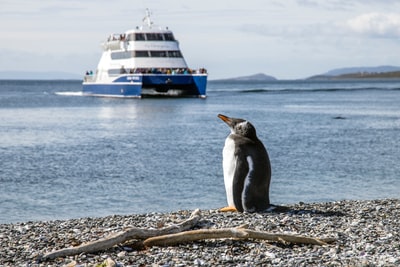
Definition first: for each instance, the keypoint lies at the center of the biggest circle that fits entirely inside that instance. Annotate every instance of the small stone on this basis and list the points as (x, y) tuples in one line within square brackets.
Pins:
[(198, 262), (121, 254), (70, 264), (110, 262)]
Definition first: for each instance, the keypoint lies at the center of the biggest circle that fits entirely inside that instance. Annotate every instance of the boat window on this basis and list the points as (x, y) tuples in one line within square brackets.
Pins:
[(169, 37), (141, 53), (150, 37), (174, 54), (154, 36), (140, 37), (158, 53), (145, 53)]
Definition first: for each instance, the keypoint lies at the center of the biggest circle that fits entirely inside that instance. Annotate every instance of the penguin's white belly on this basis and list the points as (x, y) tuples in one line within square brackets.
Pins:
[(229, 166)]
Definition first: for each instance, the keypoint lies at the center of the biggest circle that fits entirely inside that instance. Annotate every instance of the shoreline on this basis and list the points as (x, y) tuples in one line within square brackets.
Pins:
[(366, 233)]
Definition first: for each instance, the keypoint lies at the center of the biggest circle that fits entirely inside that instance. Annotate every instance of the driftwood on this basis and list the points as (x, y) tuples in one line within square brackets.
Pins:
[(239, 233), (179, 233), (121, 237), (195, 235)]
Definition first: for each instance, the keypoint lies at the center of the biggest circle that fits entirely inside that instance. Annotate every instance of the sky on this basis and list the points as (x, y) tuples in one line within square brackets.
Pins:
[(287, 39)]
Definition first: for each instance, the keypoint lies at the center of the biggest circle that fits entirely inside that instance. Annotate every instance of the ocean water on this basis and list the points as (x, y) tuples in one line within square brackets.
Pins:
[(64, 156)]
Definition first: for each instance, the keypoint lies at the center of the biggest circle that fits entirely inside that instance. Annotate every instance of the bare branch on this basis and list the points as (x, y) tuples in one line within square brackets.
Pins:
[(240, 233), (121, 237)]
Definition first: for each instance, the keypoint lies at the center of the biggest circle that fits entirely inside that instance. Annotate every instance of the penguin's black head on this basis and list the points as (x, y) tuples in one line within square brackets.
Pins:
[(240, 126)]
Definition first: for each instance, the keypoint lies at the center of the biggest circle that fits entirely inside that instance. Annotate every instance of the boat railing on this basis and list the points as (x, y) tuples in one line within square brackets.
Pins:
[(169, 71), (89, 78), (114, 72)]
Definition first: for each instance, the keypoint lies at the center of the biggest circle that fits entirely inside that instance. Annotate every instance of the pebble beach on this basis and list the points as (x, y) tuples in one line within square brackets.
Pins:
[(365, 233)]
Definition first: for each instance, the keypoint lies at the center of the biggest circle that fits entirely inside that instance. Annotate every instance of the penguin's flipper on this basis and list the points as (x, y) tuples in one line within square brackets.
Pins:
[(241, 172), (229, 208)]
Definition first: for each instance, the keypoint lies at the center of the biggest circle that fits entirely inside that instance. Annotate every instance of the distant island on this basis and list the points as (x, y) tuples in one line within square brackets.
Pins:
[(380, 72)]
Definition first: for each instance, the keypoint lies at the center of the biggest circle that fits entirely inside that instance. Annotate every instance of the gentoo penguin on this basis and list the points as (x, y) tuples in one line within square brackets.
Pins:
[(247, 169)]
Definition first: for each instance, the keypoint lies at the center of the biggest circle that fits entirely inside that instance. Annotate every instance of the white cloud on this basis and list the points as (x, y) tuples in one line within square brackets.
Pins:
[(376, 24)]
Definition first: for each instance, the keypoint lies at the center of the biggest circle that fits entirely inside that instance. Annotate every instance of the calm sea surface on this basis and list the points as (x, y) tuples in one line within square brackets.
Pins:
[(64, 156)]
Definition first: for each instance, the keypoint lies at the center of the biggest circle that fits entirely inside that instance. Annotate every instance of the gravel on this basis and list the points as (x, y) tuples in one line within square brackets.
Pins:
[(366, 234)]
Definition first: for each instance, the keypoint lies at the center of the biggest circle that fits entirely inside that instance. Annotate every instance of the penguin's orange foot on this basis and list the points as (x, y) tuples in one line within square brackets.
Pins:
[(226, 209)]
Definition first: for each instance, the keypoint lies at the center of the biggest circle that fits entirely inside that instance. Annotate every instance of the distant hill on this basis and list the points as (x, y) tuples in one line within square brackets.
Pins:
[(372, 75), (52, 75), (378, 69), (360, 73), (259, 77)]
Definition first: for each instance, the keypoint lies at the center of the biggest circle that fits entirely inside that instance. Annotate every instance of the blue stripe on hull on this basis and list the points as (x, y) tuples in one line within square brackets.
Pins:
[(162, 79), (152, 84)]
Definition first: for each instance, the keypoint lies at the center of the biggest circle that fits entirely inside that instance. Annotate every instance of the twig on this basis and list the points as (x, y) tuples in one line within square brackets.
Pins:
[(121, 237)]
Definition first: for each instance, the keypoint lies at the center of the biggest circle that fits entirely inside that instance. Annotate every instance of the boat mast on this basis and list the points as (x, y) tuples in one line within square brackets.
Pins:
[(147, 18)]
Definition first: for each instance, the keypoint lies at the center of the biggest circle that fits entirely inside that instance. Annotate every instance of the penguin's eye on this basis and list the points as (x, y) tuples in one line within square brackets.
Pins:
[(241, 128)]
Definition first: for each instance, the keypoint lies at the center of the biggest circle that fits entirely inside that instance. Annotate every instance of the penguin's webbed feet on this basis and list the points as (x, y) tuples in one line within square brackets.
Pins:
[(227, 209)]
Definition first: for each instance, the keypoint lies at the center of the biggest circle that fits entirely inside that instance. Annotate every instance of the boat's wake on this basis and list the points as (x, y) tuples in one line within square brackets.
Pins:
[(69, 93)]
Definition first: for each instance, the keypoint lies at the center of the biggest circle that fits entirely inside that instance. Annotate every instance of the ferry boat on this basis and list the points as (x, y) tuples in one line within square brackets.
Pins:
[(145, 61)]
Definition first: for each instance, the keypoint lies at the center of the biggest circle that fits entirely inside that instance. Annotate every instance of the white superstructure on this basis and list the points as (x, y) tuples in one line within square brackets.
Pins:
[(150, 51)]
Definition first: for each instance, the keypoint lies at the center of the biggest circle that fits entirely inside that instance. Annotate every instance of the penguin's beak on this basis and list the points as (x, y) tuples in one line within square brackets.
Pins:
[(226, 119)]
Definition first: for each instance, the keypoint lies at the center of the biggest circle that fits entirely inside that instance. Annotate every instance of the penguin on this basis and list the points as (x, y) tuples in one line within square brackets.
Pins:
[(247, 168)]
